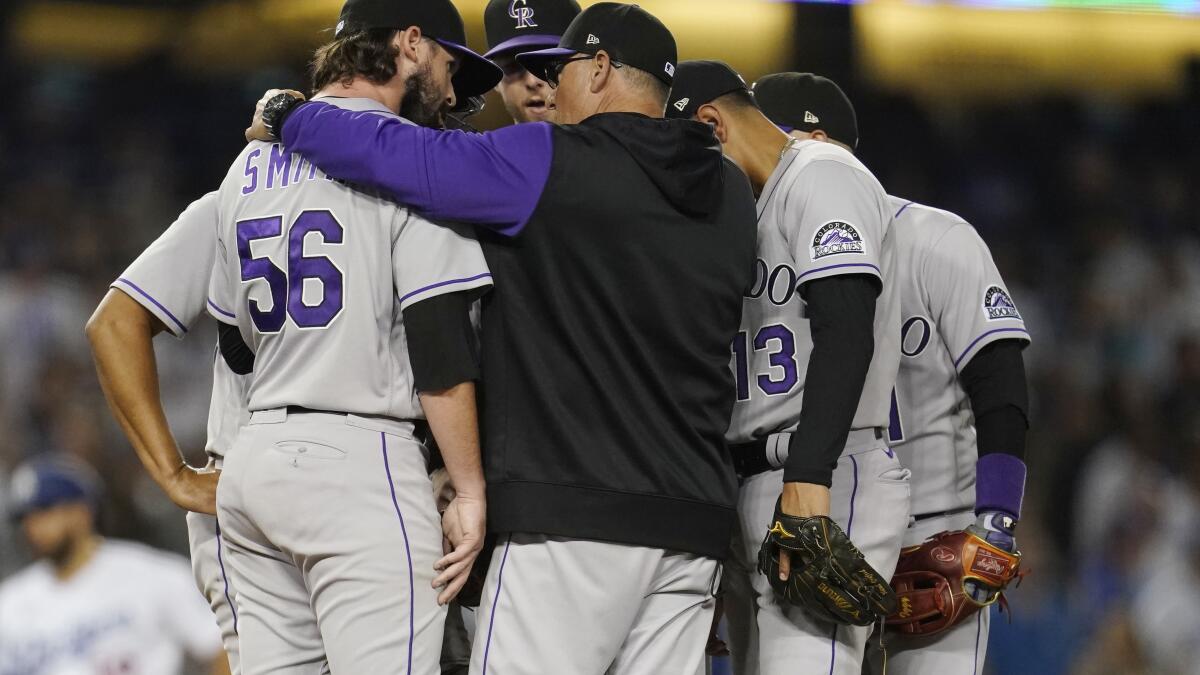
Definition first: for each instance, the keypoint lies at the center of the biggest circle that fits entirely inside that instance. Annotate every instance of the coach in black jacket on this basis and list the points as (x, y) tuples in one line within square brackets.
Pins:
[(621, 244)]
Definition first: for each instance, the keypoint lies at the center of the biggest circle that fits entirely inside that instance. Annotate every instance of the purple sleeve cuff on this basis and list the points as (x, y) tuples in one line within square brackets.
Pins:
[(174, 325), (999, 484), (494, 180)]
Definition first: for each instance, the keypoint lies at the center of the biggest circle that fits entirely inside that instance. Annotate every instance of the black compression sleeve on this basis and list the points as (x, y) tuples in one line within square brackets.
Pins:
[(237, 354), (441, 341), (994, 380), (841, 313)]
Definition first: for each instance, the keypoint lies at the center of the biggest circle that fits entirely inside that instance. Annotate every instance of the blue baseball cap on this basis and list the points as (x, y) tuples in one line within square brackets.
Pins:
[(51, 480)]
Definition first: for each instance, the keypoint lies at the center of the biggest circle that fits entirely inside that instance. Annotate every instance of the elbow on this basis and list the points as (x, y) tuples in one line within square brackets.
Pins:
[(99, 325), (117, 318)]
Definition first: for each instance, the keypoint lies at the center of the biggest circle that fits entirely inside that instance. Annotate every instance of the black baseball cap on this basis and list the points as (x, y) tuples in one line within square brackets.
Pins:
[(629, 34), (438, 20), (521, 25), (807, 102), (700, 82)]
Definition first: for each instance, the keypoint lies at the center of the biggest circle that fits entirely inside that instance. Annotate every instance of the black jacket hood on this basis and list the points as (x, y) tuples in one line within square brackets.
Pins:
[(683, 158)]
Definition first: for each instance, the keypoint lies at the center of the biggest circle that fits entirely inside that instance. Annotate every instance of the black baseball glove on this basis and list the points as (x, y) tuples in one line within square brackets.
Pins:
[(829, 576)]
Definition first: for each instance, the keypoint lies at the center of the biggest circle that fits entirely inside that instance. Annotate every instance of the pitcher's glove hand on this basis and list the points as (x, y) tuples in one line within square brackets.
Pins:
[(829, 577), (948, 578)]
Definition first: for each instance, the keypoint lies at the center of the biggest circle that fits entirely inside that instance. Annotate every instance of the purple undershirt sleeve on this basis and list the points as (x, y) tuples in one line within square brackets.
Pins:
[(494, 180), (999, 484)]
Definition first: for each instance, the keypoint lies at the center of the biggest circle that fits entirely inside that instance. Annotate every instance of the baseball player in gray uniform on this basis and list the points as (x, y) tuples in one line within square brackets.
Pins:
[(356, 312), (817, 355), (166, 288), (959, 410)]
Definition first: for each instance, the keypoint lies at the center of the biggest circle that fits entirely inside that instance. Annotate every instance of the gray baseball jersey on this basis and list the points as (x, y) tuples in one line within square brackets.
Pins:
[(954, 303), (170, 279), (821, 214), (315, 276)]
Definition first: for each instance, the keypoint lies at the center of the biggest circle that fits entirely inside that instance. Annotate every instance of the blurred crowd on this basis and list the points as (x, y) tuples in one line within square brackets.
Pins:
[(1091, 207)]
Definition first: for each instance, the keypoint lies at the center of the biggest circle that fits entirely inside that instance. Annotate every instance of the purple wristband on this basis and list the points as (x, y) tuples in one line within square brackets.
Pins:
[(999, 484)]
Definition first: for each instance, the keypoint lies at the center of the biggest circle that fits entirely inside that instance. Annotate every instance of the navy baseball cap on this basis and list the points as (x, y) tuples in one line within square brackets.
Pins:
[(698, 83), (522, 25), (807, 102), (629, 34), (440, 21), (49, 481)]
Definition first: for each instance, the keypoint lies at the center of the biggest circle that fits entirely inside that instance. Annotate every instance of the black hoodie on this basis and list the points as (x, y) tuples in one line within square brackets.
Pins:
[(606, 386)]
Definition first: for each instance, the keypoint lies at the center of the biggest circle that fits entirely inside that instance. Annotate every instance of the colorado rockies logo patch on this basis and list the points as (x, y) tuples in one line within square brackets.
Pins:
[(523, 14), (998, 305), (834, 238)]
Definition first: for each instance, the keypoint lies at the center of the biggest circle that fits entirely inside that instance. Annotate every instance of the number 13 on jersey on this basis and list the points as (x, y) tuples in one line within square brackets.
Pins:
[(783, 372)]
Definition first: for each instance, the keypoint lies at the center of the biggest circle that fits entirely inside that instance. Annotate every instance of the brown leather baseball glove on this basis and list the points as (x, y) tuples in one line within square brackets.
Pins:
[(930, 581)]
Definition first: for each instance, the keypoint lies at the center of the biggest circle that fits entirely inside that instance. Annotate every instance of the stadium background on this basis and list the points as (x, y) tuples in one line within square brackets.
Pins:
[(1068, 132)]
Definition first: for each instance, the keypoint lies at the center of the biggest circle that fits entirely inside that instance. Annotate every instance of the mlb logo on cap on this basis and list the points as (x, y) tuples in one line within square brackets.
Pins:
[(670, 69)]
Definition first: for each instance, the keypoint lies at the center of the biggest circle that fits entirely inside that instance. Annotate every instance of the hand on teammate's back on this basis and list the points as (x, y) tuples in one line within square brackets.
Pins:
[(194, 489), (257, 131), (464, 527)]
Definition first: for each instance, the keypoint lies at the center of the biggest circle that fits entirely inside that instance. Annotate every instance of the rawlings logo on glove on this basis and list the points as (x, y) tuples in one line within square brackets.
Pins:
[(935, 581)]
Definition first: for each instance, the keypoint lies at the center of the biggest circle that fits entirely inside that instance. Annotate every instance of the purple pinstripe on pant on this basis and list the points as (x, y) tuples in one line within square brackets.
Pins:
[(407, 552), (849, 526), (224, 578), (495, 601)]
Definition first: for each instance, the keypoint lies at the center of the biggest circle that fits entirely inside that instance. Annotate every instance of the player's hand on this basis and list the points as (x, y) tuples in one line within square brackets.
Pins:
[(443, 490), (194, 489), (997, 529), (464, 527), (801, 500), (257, 131)]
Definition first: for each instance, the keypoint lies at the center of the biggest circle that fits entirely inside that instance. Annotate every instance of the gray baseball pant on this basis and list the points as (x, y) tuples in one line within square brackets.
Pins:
[(869, 499), (556, 605), (332, 533)]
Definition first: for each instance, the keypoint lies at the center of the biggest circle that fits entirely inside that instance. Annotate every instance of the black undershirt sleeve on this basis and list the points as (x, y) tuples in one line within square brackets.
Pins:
[(994, 380), (841, 313), (441, 341), (237, 354)]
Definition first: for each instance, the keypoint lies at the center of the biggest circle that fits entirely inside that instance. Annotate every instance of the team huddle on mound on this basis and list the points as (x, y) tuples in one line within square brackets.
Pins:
[(555, 398)]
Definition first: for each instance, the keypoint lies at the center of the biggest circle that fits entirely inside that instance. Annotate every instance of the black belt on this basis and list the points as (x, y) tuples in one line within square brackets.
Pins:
[(299, 410), (941, 514), (750, 459), (421, 430)]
